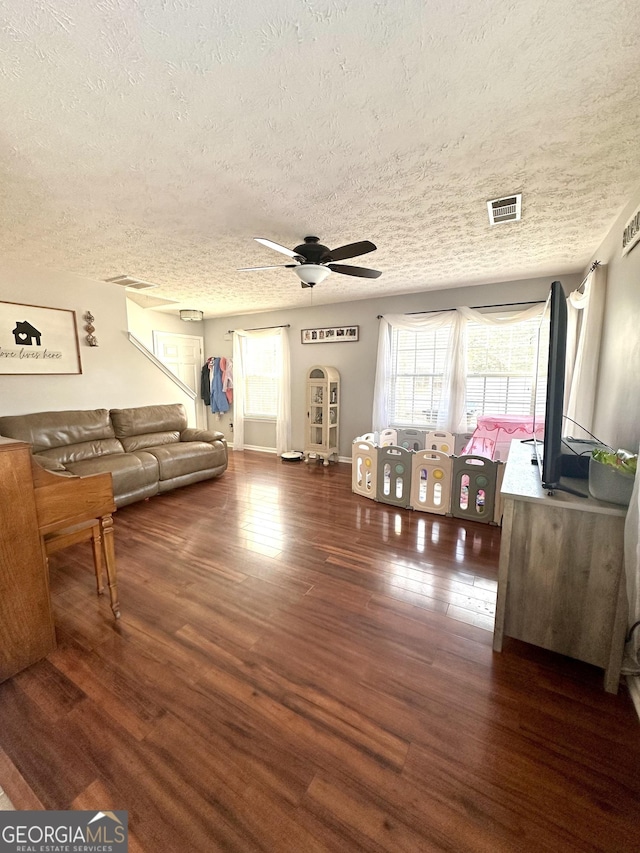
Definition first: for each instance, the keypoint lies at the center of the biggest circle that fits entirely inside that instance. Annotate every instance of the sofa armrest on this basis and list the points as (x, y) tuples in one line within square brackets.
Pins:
[(201, 435)]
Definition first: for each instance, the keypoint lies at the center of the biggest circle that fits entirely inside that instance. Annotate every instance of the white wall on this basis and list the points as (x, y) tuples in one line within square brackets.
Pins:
[(354, 361), (114, 374), (143, 322), (617, 417)]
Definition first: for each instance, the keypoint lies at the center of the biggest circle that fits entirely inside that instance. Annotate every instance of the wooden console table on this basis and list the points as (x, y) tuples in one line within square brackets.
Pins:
[(561, 575)]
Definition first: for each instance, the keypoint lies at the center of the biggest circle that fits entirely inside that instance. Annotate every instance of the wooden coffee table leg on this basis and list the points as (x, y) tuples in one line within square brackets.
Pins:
[(108, 547), (96, 543)]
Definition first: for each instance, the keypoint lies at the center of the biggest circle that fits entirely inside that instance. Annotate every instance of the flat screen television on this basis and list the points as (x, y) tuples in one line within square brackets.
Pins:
[(554, 453), (549, 451)]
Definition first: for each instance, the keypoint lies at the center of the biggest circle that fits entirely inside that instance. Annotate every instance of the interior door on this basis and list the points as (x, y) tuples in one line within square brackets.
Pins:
[(184, 356)]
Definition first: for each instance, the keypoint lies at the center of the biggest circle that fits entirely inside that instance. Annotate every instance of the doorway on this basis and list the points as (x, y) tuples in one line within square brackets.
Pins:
[(184, 356)]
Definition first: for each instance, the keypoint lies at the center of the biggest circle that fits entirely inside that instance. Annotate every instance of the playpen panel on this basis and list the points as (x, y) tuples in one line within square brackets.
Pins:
[(394, 476), (474, 488), (431, 478), (364, 468), (411, 439), (388, 438), (439, 440)]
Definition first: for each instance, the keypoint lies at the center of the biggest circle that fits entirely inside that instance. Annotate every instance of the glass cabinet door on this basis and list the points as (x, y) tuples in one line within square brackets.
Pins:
[(316, 414)]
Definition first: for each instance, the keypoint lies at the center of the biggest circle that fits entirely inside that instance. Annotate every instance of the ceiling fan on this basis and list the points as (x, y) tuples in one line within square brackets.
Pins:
[(314, 262)]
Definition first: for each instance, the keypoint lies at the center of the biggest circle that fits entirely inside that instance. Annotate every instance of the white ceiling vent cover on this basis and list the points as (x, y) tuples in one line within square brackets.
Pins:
[(131, 283), (506, 209)]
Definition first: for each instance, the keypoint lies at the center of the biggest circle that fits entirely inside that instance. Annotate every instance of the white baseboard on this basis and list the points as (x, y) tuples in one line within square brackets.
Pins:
[(271, 450)]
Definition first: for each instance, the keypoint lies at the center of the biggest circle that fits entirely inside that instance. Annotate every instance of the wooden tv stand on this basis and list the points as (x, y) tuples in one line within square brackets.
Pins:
[(561, 576)]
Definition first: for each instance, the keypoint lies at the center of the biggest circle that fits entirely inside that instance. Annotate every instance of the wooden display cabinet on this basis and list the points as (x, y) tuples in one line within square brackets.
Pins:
[(323, 408)]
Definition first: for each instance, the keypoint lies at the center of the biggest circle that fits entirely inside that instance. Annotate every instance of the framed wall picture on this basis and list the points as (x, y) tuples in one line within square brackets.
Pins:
[(333, 334), (35, 339)]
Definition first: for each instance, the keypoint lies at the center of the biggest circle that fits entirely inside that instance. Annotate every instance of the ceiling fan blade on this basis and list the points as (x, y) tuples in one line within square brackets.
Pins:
[(276, 267), (271, 245), (358, 271), (352, 250)]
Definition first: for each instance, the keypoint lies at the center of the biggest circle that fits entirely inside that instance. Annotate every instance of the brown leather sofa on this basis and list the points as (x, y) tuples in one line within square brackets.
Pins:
[(148, 450)]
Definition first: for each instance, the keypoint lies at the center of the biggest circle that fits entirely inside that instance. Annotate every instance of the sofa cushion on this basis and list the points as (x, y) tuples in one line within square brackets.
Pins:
[(149, 439), (49, 430), (135, 475), (149, 419), (69, 453), (186, 457)]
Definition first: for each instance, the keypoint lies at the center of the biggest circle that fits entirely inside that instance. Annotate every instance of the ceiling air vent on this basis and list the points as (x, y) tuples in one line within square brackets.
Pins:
[(505, 209), (130, 283)]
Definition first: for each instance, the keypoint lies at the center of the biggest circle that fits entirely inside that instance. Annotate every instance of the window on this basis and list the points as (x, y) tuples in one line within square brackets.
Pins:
[(501, 367), (500, 372), (261, 376), (418, 362)]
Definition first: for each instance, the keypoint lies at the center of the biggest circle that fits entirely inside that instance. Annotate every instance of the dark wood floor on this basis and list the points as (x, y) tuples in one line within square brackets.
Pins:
[(298, 668)]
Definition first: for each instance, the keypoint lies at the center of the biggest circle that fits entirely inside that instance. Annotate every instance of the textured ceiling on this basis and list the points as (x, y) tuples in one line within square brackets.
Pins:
[(157, 137)]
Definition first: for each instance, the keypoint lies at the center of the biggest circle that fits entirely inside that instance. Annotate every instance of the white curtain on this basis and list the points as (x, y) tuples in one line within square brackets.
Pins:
[(283, 423), (384, 376), (238, 389), (497, 318), (452, 414), (585, 312), (283, 407)]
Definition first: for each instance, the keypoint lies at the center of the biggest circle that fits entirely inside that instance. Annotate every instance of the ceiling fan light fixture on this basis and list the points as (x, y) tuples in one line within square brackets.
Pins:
[(311, 274), (191, 316)]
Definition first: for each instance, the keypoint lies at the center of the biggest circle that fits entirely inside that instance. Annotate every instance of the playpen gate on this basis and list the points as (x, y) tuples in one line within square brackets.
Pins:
[(364, 468), (431, 482), (474, 488), (394, 476)]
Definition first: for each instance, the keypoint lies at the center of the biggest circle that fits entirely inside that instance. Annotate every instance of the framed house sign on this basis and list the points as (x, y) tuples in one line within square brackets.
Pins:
[(34, 339), (334, 334)]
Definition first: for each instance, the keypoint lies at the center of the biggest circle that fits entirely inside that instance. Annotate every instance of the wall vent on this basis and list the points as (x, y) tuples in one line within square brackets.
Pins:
[(130, 282), (506, 209)]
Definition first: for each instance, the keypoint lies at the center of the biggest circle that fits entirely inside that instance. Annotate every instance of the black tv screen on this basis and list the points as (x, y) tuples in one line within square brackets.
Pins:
[(550, 450)]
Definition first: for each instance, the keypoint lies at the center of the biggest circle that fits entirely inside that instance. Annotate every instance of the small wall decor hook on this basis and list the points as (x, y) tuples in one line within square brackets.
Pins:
[(90, 329)]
